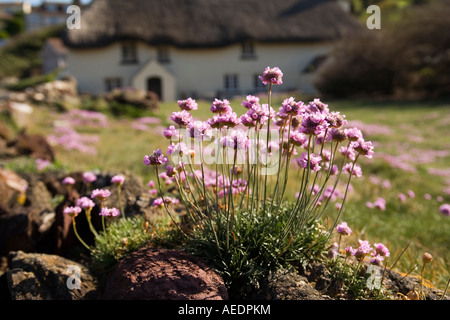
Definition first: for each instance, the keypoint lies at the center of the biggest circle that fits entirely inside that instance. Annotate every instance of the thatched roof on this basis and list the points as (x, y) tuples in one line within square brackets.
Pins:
[(210, 23)]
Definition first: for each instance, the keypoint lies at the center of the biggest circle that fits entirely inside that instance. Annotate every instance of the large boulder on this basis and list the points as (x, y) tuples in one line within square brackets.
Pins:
[(34, 276), (33, 145), (163, 274)]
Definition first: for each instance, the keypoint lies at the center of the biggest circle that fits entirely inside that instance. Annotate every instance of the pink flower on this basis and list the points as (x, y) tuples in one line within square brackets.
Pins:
[(41, 164), (380, 203), (188, 104), (313, 161), (236, 139), (357, 171), (118, 179), (445, 209), (229, 119), (317, 106), (313, 124), (182, 118), (68, 180), (72, 211), (221, 106), (85, 203), (401, 197), (89, 177), (377, 260), (109, 212), (364, 148), (343, 229), (427, 196), (290, 107), (100, 194), (156, 158), (272, 75), (349, 251), (363, 249), (250, 101), (353, 134), (200, 130), (411, 194), (151, 184), (381, 250), (158, 202), (171, 132)]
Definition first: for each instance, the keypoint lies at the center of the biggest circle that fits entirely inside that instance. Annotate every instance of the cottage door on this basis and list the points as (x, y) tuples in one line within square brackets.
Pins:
[(155, 85)]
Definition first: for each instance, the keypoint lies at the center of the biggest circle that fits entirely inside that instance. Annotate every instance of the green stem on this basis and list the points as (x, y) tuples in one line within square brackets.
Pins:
[(78, 236)]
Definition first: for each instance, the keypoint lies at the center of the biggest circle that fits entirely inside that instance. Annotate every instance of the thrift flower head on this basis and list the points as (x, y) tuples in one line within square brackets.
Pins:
[(272, 76), (250, 101), (89, 177), (171, 132), (364, 148), (182, 118), (151, 184), (41, 164), (156, 158), (85, 203), (377, 260), (188, 104), (221, 106), (445, 209), (363, 249), (343, 229), (100, 194), (200, 130), (317, 106), (313, 123), (290, 107), (72, 211), (158, 202), (381, 250), (118, 179), (229, 119), (110, 212), (349, 251), (354, 134), (313, 161), (356, 171), (68, 180), (401, 197)]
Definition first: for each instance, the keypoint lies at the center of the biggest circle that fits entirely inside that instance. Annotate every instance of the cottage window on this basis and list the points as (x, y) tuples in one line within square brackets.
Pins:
[(248, 50), (163, 54), (112, 83), (129, 53), (231, 82)]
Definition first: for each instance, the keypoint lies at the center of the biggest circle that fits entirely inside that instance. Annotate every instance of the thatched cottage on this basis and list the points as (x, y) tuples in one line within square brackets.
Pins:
[(202, 48)]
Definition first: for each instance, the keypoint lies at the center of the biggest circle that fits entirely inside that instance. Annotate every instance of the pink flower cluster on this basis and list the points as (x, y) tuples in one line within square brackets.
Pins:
[(77, 117), (69, 139), (377, 253)]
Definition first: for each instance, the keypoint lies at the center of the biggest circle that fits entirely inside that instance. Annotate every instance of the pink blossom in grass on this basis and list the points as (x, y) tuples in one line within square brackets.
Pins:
[(445, 209), (151, 184), (188, 104), (118, 179), (348, 152), (158, 202), (364, 148), (89, 177), (353, 134), (363, 249), (221, 106), (313, 124), (427, 196), (343, 229), (200, 130), (317, 106), (236, 139), (335, 120), (297, 138), (313, 161), (380, 204), (72, 211), (334, 251), (152, 191), (377, 260), (68, 180), (356, 171), (171, 171), (85, 202), (401, 197), (349, 251), (381, 250), (100, 194), (370, 205), (109, 212), (171, 132), (224, 120), (439, 199), (290, 107), (156, 158), (181, 118), (272, 76), (411, 194), (41, 164), (250, 101)]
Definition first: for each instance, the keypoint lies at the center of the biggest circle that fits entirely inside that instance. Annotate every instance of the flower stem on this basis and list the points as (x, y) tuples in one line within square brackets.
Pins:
[(78, 236)]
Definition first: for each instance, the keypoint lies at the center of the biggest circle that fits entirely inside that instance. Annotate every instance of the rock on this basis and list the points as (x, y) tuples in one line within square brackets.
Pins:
[(12, 189), (288, 285), (34, 145), (162, 274), (14, 232), (21, 113), (35, 276)]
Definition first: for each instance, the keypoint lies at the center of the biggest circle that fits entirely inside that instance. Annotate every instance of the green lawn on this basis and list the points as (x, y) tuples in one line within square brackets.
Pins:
[(412, 153)]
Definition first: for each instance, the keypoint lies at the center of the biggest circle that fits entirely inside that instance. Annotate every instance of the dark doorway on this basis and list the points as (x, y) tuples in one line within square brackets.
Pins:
[(155, 85)]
